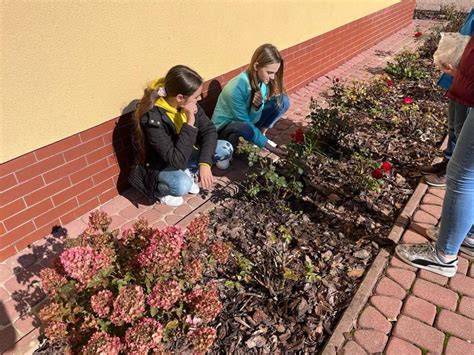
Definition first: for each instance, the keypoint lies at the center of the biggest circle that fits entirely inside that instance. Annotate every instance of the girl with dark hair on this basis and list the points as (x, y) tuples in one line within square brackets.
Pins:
[(173, 138), (252, 102)]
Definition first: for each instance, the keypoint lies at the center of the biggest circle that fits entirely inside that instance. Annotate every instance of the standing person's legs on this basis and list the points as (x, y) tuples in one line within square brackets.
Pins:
[(458, 207), (458, 211), (273, 110)]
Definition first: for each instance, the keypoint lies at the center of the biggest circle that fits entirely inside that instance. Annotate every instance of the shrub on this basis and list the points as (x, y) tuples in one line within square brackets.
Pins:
[(139, 291), (406, 66)]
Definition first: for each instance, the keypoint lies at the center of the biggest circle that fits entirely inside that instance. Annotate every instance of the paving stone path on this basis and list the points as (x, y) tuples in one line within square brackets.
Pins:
[(409, 312)]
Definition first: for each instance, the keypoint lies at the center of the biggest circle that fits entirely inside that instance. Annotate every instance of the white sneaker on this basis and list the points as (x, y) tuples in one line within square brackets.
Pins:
[(223, 164), (173, 201), (194, 187)]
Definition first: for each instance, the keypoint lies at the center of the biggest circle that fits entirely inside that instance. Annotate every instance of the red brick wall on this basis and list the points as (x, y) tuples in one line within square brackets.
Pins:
[(58, 183)]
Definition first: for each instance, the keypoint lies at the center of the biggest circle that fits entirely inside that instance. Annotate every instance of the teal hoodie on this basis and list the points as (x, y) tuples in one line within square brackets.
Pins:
[(233, 105)]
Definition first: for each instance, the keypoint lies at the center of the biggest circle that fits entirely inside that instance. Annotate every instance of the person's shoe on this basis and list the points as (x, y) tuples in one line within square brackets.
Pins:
[(223, 164), (173, 201), (435, 168), (194, 187), (466, 247), (436, 180), (424, 256)]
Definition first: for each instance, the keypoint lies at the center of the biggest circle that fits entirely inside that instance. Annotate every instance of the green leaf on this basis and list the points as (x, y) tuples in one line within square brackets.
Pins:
[(153, 311)]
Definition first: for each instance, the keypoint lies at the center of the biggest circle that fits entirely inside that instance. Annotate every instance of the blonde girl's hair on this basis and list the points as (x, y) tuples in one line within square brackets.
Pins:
[(180, 79), (264, 55)]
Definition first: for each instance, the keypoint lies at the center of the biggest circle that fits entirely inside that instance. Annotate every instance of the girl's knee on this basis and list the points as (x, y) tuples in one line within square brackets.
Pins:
[(181, 185), (285, 103)]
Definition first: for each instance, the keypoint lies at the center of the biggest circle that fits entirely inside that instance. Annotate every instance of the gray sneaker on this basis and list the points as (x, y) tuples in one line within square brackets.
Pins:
[(424, 256), (466, 247), (438, 168), (436, 180)]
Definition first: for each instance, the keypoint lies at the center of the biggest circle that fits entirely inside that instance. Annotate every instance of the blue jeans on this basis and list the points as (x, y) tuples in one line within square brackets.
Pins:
[(457, 217), (176, 182), (271, 113), (457, 114)]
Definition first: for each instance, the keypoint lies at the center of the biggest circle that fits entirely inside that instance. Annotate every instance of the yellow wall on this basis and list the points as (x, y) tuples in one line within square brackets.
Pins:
[(70, 65)]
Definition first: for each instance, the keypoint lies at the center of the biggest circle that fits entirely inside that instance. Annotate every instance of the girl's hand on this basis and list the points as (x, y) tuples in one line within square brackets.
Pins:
[(448, 69), (257, 99), (278, 151), (205, 176), (190, 110)]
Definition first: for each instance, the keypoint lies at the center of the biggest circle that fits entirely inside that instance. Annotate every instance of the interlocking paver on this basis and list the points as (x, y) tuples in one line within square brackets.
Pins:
[(471, 270), (130, 212), (421, 216), (433, 210), (397, 346), (419, 333), (403, 277), (420, 309), (371, 318), (466, 306), (431, 199), (432, 277), (435, 294), (457, 346), (352, 348), (463, 265), (462, 284), (396, 262), (388, 287), (437, 192), (371, 340), (456, 324), (8, 337), (389, 306), (411, 237)]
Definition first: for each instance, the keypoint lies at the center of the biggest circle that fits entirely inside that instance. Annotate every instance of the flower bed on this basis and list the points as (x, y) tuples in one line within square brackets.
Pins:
[(298, 237)]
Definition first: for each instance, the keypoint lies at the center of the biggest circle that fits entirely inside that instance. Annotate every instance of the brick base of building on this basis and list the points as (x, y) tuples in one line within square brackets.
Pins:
[(56, 184)]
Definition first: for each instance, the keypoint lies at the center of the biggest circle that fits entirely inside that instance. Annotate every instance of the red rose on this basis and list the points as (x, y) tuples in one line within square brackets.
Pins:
[(386, 166), (389, 83), (297, 136), (377, 173), (418, 34), (407, 100)]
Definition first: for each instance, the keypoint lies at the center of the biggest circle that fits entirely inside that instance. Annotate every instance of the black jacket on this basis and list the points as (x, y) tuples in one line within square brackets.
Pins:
[(166, 148)]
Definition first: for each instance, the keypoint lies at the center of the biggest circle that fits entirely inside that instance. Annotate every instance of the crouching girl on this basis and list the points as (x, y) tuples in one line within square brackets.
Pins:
[(173, 139), (252, 102)]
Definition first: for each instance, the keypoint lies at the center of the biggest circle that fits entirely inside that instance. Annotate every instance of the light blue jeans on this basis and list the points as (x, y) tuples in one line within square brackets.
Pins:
[(172, 181), (272, 112), (457, 218)]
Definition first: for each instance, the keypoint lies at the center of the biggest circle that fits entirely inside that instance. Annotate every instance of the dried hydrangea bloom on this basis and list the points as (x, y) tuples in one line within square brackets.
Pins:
[(165, 294), (193, 270), (198, 230), (220, 251), (102, 343), (56, 332), (101, 303), (205, 303), (51, 281), (144, 336), (129, 305), (51, 311), (202, 339)]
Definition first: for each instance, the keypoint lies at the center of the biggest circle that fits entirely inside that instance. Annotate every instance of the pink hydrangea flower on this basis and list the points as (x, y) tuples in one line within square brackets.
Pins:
[(165, 294), (144, 336), (163, 250), (101, 303), (83, 263), (193, 270), (129, 305), (103, 343)]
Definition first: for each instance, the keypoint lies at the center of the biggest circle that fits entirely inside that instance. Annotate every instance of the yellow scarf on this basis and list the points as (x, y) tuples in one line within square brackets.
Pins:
[(178, 117)]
